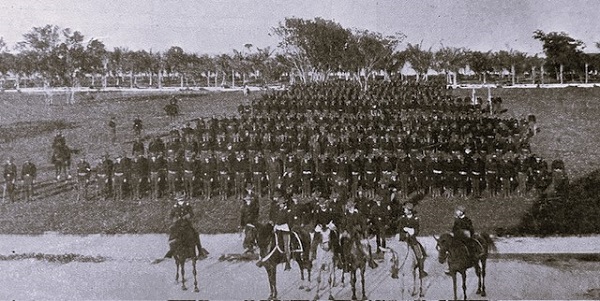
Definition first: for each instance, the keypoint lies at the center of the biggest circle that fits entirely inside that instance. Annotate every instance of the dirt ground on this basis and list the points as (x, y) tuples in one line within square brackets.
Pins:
[(128, 272)]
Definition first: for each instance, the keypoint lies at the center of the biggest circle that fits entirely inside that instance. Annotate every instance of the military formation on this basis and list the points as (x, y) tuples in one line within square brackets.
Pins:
[(332, 138)]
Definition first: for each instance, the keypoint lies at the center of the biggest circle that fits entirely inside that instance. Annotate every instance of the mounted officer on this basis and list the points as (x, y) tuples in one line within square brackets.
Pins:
[(248, 221), (280, 217), (408, 227), (182, 215)]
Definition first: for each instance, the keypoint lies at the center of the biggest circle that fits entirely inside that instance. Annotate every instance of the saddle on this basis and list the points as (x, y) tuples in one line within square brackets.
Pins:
[(295, 242)]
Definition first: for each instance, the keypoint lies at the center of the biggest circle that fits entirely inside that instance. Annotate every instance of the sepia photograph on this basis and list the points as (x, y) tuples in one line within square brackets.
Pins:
[(300, 150)]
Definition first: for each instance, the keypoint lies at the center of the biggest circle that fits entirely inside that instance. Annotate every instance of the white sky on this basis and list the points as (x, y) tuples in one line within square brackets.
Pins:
[(222, 25)]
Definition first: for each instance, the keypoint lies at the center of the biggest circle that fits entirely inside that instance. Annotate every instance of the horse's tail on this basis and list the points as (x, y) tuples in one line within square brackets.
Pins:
[(491, 246)]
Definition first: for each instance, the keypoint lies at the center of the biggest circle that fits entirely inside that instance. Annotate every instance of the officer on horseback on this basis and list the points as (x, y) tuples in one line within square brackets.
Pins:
[(182, 214), (248, 221), (354, 226), (409, 226), (280, 216), (463, 230)]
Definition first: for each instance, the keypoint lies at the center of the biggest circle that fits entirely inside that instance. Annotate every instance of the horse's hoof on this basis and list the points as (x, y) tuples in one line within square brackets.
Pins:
[(308, 289), (196, 290), (421, 295), (483, 294), (331, 297), (184, 288), (301, 287), (478, 292)]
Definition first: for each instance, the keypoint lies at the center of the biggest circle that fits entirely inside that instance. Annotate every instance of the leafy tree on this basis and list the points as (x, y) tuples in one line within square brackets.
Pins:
[(562, 52), (481, 63), (419, 59), (40, 44), (313, 45), (450, 60), (176, 62)]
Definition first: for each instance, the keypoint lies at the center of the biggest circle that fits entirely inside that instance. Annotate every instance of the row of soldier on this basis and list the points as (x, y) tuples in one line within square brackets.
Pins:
[(15, 182)]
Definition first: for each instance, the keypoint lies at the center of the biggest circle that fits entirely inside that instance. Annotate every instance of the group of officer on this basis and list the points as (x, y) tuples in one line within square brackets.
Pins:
[(11, 180)]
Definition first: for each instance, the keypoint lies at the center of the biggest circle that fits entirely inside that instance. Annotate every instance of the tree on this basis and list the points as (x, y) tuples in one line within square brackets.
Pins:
[(40, 43), (562, 51), (314, 46), (366, 52), (176, 62), (480, 63), (419, 59), (450, 60)]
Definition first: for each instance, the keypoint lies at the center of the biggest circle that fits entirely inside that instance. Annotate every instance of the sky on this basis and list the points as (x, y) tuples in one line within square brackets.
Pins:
[(219, 26)]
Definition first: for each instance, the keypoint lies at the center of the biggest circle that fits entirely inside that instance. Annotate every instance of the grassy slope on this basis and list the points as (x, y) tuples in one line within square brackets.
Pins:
[(565, 115)]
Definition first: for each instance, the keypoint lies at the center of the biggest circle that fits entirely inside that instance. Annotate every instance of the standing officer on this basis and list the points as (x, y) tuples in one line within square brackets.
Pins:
[(104, 173), (83, 178), (28, 175)]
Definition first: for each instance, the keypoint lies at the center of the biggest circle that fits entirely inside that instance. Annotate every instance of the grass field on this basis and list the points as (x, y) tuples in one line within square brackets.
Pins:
[(567, 117)]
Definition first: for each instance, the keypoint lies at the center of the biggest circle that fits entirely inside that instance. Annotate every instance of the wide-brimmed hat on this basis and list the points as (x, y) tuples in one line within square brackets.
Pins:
[(461, 208)]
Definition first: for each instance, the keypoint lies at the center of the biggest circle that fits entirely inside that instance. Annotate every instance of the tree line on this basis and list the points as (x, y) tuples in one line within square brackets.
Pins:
[(308, 50)]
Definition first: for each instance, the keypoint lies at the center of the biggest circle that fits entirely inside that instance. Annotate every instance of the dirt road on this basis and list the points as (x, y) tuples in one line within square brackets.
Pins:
[(128, 272)]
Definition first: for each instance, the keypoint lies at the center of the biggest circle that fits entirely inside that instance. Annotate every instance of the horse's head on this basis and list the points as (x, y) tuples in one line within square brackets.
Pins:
[(443, 245), (264, 236)]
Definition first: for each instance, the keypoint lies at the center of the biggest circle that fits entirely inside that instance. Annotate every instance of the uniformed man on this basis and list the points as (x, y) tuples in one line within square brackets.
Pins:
[(112, 126), (408, 228), (104, 172), (173, 172), (155, 166), (248, 221), (189, 177), (119, 179), (84, 171), (182, 215), (280, 217), (28, 175), (137, 126), (354, 226), (208, 170), (138, 148), (139, 175)]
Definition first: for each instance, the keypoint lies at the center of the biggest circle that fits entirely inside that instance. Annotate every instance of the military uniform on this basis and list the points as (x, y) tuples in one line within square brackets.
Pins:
[(28, 175), (119, 179), (182, 216), (139, 175), (248, 221), (408, 228), (104, 177), (83, 177)]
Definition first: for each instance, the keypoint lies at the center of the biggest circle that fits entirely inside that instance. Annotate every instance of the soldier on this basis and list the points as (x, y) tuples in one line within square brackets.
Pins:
[(379, 217), (355, 166), (138, 147), (353, 225), (308, 168), (173, 172), (119, 178), (208, 169), (155, 166), (403, 167), (241, 166), (491, 175), (182, 215), (84, 171), (28, 175), (139, 175), (477, 174), (274, 172), (59, 140), (112, 126), (104, 173), (369, 176), (280, 217), (137, 126), (189, 177), (408, 227), (248, 221), (156, 147), (258, 172), (223, 176)]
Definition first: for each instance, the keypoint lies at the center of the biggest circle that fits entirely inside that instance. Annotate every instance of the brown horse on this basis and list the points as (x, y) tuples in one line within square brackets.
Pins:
[(462, 254), (184, 242), (354, 259), (272, 253)]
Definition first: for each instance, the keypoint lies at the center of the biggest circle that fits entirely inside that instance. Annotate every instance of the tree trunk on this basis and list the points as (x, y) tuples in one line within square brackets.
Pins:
[(150, 79), (561, 73), (181, 80), (533, 75), (542, 74), (18, 82), (104, 80), (216, 75), (586, 72), (160, 79), (207, 79), (484, 78), (455, 79), (93, 79), (131, 79), (232, 78), (512, 73)]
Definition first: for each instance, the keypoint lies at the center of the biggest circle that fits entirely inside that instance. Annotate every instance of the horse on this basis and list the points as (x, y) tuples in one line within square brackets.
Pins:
[(354, 259), (61, 158), (183, 242), (409, 263), (464, 254), (325, 243), (272, 254), (172, 109)]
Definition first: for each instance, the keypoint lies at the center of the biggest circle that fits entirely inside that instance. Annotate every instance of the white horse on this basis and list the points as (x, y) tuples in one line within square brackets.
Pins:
[(324, 259), (404, 261)]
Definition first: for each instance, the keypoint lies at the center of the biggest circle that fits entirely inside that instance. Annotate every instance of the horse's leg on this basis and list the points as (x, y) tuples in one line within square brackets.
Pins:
[(318, 288), (413, 291), (454, 285), (353, 283), (183, 287), (483, 266), (362, 282), (177, 270), (331, 281), (478, 273), (195, 275), (464, 283), (301, 277)]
